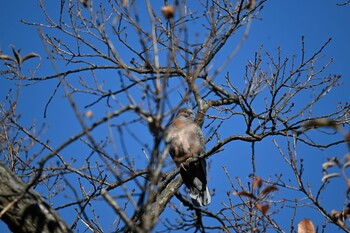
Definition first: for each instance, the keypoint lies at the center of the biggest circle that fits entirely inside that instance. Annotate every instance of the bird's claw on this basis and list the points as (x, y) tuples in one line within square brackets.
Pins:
[(185, 164)]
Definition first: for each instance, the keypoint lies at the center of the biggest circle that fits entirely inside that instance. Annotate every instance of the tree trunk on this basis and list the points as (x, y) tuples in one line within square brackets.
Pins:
[(27, 212)]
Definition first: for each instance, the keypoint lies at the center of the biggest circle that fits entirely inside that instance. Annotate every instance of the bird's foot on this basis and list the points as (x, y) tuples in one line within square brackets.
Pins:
[(183, 166)]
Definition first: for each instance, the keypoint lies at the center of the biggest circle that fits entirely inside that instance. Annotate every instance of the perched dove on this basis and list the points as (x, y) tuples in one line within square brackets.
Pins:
[(185, 139)]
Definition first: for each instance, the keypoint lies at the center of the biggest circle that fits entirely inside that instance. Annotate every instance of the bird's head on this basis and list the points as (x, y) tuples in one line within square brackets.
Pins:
[(185, 112)]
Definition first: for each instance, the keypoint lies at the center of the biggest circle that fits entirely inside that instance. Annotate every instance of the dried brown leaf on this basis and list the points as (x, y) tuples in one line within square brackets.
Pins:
[(322, 123), (269, 189), (263, 208), (168, 11), (257, 183), (306, 226), (246, 194)]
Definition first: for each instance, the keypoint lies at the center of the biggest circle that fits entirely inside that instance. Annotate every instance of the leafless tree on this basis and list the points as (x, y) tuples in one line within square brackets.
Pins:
[(125, 68)]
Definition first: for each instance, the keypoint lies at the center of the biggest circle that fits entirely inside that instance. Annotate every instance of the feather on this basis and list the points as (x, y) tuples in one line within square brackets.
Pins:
[(186, 140)]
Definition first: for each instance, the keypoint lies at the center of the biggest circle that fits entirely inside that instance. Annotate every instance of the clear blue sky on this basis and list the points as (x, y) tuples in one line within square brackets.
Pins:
[(283, 23)]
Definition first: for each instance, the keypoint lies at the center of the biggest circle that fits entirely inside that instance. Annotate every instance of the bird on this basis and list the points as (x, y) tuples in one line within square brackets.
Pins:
[(185, 140)]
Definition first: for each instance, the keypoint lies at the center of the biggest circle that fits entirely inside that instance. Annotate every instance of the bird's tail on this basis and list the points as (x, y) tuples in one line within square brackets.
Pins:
[(200, 198), (194, 177)]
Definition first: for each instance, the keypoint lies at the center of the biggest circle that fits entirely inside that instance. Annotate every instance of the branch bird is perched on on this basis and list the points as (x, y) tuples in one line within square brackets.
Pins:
[(185, 139)]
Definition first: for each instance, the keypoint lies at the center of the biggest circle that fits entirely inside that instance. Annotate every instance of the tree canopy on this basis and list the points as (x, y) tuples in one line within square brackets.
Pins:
[(83, 119)]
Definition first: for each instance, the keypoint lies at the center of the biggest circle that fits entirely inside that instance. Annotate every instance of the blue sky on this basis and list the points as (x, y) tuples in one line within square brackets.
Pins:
[(282, 24)]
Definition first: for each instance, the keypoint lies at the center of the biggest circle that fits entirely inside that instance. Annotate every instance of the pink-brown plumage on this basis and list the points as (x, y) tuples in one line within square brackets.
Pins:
[(185, 139)]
